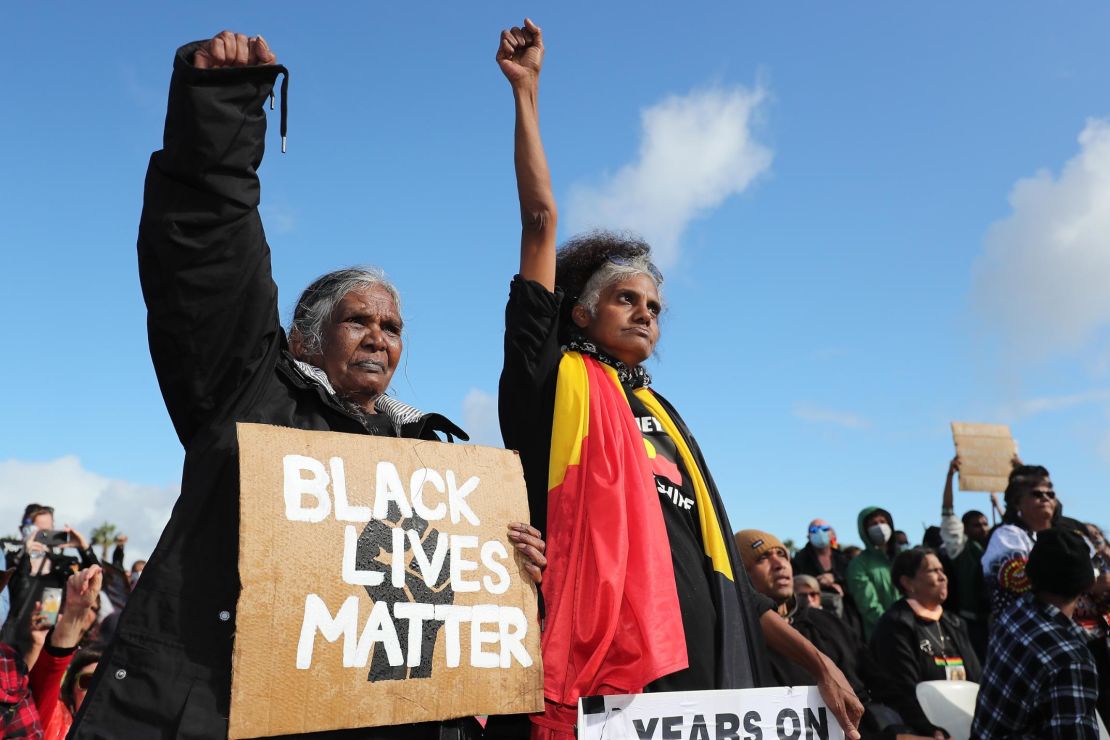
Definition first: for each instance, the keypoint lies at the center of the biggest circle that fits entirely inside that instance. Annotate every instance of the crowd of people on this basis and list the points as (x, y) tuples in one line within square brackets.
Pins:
[(59, 605), (644, 587), (1022, 609)]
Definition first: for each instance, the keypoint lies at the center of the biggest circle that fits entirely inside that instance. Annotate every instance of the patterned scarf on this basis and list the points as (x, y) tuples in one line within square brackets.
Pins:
[(398, 412)]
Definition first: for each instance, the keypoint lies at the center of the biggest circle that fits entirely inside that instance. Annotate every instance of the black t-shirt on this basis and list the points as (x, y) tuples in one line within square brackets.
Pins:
[(526, 400)]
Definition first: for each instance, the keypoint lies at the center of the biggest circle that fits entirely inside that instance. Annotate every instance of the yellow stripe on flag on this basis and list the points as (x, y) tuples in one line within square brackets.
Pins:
[(711, 535), (571, 419)]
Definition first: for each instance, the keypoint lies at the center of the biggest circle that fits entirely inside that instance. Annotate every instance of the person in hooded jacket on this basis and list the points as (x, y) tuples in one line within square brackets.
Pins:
[(869, 582), (222, 357)]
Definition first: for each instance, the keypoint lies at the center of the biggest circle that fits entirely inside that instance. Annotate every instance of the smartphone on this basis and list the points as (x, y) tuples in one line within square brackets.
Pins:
[(51, 604), (52, 537)]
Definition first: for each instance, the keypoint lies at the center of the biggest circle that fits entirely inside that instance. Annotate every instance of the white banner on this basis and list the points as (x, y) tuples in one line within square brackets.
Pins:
[(785, 713)]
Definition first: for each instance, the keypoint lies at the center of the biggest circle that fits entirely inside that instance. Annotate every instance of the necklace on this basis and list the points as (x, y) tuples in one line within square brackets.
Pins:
[(941, 639)]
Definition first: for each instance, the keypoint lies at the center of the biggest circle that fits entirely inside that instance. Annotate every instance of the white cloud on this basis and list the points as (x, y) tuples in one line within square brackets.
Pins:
[(695, 151), (85, 500), (480, 418), (1041, 280), (279, 218), (1032, 406), (821, 415)]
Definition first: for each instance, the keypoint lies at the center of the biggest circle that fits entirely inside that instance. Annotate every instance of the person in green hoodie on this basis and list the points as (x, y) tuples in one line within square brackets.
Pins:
[(869, 574)]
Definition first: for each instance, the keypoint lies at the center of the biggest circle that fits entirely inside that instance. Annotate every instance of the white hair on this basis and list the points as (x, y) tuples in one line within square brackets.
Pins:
[(318, 301), (611, 273)]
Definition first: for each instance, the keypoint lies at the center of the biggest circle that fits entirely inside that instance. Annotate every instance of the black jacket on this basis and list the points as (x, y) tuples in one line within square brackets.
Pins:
[(806, 563), (904, 648), (221, 357)]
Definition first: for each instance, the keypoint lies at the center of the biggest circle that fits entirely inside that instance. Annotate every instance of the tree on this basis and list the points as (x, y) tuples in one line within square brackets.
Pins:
[(104, 535), (791, 548)]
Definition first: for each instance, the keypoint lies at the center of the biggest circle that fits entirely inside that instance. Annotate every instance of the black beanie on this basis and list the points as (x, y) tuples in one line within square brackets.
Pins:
[(1060, 563)]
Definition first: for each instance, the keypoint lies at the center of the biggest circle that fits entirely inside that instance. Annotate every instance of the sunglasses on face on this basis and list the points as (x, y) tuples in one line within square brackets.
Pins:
[(809, 594), (814, 529), (617, 259), (1051, 495)]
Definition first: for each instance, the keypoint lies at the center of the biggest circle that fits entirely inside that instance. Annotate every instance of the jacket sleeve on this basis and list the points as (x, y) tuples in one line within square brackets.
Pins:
[(952, 533), (863, 593), (46, 679), (203, 259)]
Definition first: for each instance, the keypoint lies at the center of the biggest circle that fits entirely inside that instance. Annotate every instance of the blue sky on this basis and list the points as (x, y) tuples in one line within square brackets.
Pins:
[(877, 220)]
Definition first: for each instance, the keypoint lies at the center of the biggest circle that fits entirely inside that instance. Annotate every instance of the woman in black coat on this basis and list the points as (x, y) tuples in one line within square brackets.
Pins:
[(917, 640), (222, 357)]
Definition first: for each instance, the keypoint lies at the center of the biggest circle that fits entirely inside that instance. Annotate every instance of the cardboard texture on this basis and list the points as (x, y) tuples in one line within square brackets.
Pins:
[(783, 712), (986, 452), (325, 638)]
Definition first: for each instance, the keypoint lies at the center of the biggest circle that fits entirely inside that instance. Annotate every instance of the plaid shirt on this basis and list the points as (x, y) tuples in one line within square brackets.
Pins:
[(18, 716), (1040, 679)]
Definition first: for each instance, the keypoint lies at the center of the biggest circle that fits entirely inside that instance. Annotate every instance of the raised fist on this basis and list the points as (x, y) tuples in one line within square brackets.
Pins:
[(229, 49), (520, 54), (373, 552)]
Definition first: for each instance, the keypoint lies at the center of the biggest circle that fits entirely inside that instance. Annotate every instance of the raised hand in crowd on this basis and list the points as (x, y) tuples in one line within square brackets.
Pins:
[(82, 594), (953, 468), (40, 628), (520, 57), (228, 49), (520, 54)]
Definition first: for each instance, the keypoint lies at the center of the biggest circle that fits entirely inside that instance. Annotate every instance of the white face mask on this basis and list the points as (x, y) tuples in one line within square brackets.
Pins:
[(879, 533)]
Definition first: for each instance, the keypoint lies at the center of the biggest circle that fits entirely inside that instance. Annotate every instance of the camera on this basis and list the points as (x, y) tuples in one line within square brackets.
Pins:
[(52, 537)]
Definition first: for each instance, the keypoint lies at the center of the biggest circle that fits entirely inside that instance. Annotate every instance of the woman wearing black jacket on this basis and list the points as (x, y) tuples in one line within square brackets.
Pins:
[(917, 640), (222, 357)]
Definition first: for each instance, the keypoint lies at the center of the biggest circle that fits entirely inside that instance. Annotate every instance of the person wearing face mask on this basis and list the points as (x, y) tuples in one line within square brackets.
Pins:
[(820, 559), (868, 574), (824, 561), (899, 543)]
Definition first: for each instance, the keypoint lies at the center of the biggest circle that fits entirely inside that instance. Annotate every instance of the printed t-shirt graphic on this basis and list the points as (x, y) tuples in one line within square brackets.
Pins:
[(680, 514)]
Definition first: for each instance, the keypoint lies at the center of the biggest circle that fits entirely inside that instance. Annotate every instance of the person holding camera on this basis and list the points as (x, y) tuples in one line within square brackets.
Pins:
[(41, 564)]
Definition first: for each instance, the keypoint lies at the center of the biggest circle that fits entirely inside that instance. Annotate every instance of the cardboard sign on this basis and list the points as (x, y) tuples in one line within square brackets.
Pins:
[(986, 452), (379, 584), (790, 713)]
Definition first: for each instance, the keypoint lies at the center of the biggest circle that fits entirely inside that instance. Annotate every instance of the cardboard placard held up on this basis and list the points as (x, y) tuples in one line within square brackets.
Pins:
[(782, 712), (379, 584), (986, 453)]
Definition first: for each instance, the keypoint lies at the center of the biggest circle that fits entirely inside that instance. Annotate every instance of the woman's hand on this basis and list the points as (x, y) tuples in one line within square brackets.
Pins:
[(76, 539), (229, 49), (82, 592), (531, 546), (39, 626), (520, 54)]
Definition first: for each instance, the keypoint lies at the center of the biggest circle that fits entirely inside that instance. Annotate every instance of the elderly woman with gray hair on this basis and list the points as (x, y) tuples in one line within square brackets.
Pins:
[(222, 357), (644, 590)]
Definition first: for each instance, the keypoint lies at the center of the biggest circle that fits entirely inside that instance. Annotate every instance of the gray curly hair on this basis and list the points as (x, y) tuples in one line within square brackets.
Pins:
[(611, 273), (318, 301)]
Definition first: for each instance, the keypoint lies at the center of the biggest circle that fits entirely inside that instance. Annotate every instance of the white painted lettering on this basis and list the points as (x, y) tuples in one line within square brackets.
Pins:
[(296, 488)]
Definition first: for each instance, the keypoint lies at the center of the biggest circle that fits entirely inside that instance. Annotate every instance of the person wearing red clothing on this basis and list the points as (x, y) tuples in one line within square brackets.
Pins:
[(644, 589)]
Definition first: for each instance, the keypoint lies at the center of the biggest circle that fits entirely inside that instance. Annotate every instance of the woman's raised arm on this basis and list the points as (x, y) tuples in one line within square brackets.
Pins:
[(520, 56)]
